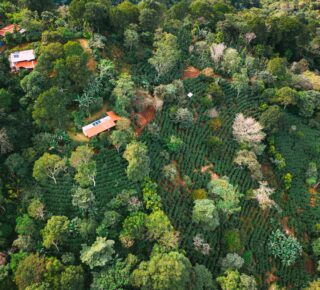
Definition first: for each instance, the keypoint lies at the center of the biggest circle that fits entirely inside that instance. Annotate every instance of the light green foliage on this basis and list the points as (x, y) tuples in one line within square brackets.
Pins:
[(25, 225), (150, 197), (232, 261), (206, 214), (246, 158), (170, 93), (36, 209), (226, 196), (174, 143), (98, 254), (184, 118), (308, 103), (83, 198), (316, 246), (314, 285), (115, 277), (166, 54), (164, 271), (232, 280), (131, 38), (286, 96), (136, 155), (81, 160), (72, 278), (55, 231), (86, 174), (133, 226), (203, 278), (277, 67), (124, 93), (120, 138), (231, 61), (48, 166), (157, 224), (241, 81), (170, 172), (287, 180), (82, 155), (284, 247), (312, 174)]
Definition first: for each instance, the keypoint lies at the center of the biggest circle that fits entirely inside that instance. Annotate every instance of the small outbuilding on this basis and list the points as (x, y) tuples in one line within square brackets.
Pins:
[(11, 28), (101, 125), (22, 59)]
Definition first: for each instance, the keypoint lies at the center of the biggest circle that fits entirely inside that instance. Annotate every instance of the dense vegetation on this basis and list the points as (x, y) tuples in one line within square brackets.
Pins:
[(210, 178)]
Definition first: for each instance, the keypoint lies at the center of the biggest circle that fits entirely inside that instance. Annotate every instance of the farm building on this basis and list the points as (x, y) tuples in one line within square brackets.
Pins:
[(101, 125), (22, 59), (12, 28)]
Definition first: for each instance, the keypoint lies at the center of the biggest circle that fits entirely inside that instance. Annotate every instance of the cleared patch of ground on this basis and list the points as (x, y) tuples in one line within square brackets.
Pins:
[(190, 73), (92, 65)]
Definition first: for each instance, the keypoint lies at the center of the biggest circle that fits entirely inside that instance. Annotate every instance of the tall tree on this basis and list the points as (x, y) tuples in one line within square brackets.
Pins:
[(226, 196), (55, 231), (136, 155), (98, 254), (48, 166), (166, 53), (164, 271), (49, 110), (205, 213), (30, 270), (124, 93)]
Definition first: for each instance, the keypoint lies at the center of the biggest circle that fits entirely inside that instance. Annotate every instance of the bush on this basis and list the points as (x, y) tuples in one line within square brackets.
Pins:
[(284, 247), (232, 240), (199, 193), (316, 246), (215, 124)]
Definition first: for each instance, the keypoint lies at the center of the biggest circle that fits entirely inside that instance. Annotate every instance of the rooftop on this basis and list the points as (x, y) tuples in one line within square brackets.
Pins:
[(101, 125), (9, 29), (24, 55)]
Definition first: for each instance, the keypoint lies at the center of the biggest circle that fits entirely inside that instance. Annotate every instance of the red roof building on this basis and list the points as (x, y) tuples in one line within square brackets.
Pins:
[(9, 29), (101, 125), (22, 59)]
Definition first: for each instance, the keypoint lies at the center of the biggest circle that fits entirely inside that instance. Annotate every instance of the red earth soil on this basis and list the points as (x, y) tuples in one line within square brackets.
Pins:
[(190, 73), (144, 118)]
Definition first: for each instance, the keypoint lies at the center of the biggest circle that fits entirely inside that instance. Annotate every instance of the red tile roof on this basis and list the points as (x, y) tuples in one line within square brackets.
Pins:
[(9, 29), (113, 116), (26, 64)]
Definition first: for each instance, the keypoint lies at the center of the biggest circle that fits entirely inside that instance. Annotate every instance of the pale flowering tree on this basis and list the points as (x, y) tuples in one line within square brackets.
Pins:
[(231, 61), (262, 195), (216, 51), (249, 36), (248, 159), (200, 245), (247, 130)]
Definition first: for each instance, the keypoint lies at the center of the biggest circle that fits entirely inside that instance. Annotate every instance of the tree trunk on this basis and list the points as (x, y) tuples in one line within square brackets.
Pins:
[(54, 179)]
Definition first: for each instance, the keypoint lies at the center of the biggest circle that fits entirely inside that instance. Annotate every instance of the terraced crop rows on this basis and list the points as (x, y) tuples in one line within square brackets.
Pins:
[(254, 225), (110, 180)]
